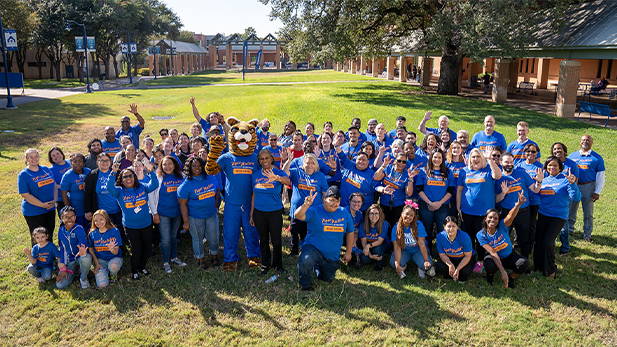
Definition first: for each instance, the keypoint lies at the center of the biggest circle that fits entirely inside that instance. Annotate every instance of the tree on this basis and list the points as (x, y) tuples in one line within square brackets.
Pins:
[(248, 32), (342, 29), (19, 15), (186, 36)]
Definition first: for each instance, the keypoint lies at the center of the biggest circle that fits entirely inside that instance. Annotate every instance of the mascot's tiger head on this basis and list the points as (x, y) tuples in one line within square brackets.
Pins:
[(242, 136)]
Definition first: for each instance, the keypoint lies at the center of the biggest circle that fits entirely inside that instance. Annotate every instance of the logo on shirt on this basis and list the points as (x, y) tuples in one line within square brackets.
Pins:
[(331, 225)]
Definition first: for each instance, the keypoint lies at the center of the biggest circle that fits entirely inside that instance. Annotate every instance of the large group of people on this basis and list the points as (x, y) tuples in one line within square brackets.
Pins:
[(451, 205)]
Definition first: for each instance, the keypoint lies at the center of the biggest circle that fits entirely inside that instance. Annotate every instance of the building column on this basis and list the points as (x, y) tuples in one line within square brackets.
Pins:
[(375, 69), (164, 65), (354, 66), (460, 78), (263, 57), (362, 65), (427, 71), (473, 72), (569, 71), (513, 75), (345, 65), (402, 70), (150, 63), (214, 56), (391, 65), (501, 77), (369, 65), (544, 66), (277, 57), (228, 58)]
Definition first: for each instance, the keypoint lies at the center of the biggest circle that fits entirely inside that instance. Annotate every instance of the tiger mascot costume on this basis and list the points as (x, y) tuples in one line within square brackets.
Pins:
[(238, 165)]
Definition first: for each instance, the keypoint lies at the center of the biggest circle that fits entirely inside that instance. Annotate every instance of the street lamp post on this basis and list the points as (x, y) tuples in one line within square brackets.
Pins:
[(9, 98), (68, 28)]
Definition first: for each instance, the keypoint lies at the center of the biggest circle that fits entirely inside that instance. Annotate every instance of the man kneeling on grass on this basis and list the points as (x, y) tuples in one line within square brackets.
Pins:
[(322, 245)]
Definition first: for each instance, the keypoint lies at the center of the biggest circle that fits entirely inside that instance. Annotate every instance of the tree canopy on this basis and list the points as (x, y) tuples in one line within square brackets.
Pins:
[(342, 29)]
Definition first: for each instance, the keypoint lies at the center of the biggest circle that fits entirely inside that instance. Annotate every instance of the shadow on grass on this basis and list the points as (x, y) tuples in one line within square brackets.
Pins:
[(457, 108)]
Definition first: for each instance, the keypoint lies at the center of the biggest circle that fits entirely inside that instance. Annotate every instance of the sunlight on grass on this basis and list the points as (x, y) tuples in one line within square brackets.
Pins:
[(361, 307)]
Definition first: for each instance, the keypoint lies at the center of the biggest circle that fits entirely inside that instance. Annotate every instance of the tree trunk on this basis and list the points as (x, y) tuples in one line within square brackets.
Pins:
[(9, 60), (113, 56), (21, 58), (58, 74), (39, 61), (98, 64), (448, 73)]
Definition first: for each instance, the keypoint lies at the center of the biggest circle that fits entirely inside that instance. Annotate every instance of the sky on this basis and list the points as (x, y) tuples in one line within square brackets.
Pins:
[(210, 17)]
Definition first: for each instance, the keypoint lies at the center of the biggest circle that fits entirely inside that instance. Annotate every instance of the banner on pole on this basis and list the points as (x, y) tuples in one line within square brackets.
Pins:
[(168, 51), (79, 44), (10, 39), (125, 48), (259, 57), (150, 50), (157, 50), (91, 44), (133, 48)]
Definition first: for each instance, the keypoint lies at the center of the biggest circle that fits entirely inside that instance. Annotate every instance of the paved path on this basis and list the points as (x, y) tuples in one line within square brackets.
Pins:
[(32, 95)]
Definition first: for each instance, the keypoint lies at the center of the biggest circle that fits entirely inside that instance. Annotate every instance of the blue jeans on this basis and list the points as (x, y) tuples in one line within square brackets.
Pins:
[(110, 267), (311, 260), (406, 257), (234, 218), (428, 217), (209, 228), (83, 263), (379, 250), (169, 242), (40, 271)]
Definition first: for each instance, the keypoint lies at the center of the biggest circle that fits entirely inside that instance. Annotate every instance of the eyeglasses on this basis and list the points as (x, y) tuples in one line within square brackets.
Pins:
[(356, 202), (496, 155), (532, 152), (126, 176), (374, 214), (69, 217), (401, 161), (104, 161), (164, 134), (125, 121)]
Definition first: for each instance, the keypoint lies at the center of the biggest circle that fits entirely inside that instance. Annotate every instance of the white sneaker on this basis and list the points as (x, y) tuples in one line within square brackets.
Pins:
[(431, 271), (84, 284), (41, 280), (178, 262), (421, 273), (167, 268)]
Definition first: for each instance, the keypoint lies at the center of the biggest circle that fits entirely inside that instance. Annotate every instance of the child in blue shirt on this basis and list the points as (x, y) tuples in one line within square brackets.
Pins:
[(41, 256), (104, 243)]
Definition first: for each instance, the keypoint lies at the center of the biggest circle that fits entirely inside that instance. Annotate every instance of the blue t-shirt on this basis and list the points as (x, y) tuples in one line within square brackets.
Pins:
[(238, 171), (134, 201), (304, 184), (571, 165), (267, 194), (206, 127), (354, 180), (45, 256), (373, 234), (356, 220), (200, 193), (168, 205), (588, 165), (262, 139), (41, 185), (455, 249), (499, 241), (455, 169), (518, 181), (73, 183), (418, 163), (397, 181), (297, 163), (555, 196), (133, 133), (327, 155), (411, 244), (99, 241), (59, 171), (437, 132), (325, 230), (68, 240), (387, 143), (478, 190), (517, 149), (435, 187), (534, 199), (370, 137), (103, 198), (351, 152), (481, 141), (111, 148), (276, 153)]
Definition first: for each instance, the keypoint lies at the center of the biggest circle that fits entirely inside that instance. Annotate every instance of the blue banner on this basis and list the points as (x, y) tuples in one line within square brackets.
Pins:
[(10, 39), (258, 62), (245, 50), (79, 43)]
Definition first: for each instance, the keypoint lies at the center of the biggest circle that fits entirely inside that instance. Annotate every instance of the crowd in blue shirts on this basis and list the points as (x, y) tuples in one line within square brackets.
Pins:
[(450, 205)]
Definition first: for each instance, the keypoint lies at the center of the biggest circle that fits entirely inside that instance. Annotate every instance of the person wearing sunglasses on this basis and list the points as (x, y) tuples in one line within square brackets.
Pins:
[(531, 165), (132, 196), (396, 183), (132, 131)]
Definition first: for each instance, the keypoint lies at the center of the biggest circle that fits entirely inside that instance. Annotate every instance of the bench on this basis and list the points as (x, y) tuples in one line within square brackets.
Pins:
[(600, 109), (16, 80), (525, 86)]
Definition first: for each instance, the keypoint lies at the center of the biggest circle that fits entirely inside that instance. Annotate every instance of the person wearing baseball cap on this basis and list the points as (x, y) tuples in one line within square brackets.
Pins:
[(322, 246)]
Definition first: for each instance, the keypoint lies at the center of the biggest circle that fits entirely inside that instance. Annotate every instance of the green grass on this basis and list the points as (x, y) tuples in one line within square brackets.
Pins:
[(52, 84), (194, 307), (235, 76)]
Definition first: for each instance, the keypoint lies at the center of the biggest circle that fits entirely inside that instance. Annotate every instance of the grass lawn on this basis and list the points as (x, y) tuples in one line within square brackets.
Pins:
[(235, 76), (196, 307), (49, 84)]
